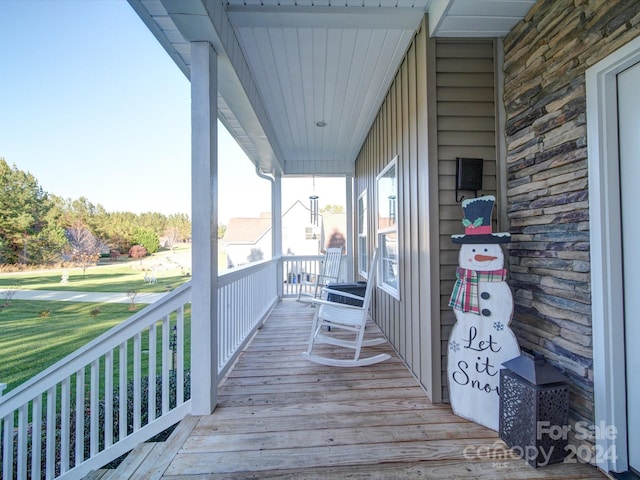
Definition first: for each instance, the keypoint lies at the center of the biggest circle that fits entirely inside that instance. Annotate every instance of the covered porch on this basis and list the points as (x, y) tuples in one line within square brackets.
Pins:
[(280, 416)]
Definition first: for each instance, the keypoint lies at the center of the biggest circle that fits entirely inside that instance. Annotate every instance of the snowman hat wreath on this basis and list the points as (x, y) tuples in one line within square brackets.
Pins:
[(477, 222)]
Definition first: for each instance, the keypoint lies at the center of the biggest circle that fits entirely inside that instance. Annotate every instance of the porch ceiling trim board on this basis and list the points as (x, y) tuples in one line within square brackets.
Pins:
[(476, 18)]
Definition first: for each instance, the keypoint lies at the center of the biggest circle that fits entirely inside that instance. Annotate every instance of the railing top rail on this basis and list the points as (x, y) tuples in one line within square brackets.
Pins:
[(94, 349), (235, 274), (293, 258)]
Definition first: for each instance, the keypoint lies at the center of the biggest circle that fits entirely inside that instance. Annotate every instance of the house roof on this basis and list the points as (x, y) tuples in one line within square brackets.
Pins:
[(285, 66), (247, 230)]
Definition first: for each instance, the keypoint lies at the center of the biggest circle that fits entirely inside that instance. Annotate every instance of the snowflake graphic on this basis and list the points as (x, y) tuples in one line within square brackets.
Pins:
[(499, 326), (454, 346)]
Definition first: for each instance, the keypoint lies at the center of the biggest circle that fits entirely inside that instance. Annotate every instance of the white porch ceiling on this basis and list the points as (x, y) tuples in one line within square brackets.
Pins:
[(285, 65)]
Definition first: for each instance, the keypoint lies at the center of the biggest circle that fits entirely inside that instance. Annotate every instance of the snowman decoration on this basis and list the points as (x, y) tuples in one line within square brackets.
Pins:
[(481, 340)]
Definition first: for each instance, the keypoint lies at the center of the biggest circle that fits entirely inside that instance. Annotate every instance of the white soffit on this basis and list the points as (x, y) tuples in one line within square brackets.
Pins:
[(476, 18), (321, 63), (312, 61)]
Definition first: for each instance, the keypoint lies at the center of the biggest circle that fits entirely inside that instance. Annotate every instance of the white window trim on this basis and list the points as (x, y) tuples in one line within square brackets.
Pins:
[(393, 291), (363, 269)]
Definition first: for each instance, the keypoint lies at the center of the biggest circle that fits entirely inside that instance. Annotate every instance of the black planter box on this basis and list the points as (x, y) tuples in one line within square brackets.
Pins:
[(357, 288)]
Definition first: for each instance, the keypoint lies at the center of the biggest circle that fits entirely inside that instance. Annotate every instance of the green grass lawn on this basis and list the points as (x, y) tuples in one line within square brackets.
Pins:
[(36, 334), (31, 342), (118, 277)]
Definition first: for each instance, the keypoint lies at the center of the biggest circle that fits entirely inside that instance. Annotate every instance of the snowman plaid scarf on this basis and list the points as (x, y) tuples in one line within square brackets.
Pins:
[(465, 292)]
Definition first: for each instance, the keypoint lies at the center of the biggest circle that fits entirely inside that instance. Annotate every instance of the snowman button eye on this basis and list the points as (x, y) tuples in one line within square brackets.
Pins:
[(486, 249)]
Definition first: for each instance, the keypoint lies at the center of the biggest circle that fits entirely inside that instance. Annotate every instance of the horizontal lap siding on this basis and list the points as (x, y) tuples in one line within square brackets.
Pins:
[(466, 128), (400, 129)]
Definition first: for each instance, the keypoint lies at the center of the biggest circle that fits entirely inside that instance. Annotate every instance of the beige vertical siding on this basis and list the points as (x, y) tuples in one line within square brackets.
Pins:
[(400, 129), (466, 128), (439, 107)]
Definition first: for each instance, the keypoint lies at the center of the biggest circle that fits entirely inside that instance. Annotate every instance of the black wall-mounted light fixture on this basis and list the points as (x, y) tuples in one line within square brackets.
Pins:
[(468, 175)]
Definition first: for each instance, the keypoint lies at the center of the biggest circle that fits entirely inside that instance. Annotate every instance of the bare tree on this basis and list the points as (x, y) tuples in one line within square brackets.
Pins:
[(132, 294), (85, 247), (171, 236), (8, 294)]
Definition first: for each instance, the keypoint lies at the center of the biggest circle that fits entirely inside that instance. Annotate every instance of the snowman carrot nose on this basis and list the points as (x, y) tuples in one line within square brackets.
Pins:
[(484, 258)]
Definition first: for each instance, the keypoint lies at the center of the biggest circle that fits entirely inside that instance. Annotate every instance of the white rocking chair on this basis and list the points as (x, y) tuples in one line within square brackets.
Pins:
[(340, 317), (329, 272)]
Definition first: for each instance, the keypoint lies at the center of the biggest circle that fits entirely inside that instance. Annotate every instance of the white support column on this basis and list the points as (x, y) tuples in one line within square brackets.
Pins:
[(350, 222), (204, 196), (276, 227)]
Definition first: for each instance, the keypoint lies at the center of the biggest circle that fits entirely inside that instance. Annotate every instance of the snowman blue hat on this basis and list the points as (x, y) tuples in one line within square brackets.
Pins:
[(477, 222)]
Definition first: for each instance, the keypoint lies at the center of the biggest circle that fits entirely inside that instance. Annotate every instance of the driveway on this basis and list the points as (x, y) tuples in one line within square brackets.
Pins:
[(92, 297)]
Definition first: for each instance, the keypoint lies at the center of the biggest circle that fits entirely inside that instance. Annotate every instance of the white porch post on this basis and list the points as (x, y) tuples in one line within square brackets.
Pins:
[(350, 222), (204, 196), (276, 227)]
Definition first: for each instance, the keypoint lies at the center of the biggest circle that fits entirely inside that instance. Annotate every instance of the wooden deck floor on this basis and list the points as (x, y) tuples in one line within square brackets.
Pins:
[(280, 416)]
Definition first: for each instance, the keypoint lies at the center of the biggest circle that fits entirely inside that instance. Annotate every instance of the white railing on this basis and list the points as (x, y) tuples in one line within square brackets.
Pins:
[(299, 272), (103, 399), (139, 364), (246, 295)]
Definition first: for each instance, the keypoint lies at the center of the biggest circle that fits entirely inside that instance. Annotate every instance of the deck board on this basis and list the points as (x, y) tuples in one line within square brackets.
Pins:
[(281, 416)]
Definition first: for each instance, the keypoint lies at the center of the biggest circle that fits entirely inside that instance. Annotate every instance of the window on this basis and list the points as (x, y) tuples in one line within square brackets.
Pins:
[(310, 233), (363, 252), (387, 214)]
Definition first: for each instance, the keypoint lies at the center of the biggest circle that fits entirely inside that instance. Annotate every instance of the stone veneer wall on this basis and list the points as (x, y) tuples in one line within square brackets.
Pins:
[(546, 56)]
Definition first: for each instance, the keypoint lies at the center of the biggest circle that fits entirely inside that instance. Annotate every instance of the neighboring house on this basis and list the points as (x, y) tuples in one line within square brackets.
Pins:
[(299, 235), (247, 240)]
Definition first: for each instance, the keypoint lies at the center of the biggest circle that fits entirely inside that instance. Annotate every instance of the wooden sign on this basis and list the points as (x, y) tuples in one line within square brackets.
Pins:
[(481, 340)]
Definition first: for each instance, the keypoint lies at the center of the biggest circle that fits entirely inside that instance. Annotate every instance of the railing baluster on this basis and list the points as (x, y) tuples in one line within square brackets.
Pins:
[(165, 364), (108, 399), (51, 433), (223, 332), (180, 356), (36, 437), (122, 392), (137, 378), (22, 441), (7, 440), (79, 416), (152, 371), (94, 392), (65, 411)]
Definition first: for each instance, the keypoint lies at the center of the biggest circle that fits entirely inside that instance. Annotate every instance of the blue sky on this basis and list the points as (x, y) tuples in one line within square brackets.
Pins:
[(93, 107)]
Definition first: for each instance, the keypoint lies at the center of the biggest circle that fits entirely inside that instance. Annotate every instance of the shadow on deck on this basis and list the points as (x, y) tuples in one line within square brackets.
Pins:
[(280, 416)]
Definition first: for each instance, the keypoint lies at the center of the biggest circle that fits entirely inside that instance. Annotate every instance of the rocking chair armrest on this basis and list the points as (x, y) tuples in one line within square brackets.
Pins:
[(342, 293), (334, 304)]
